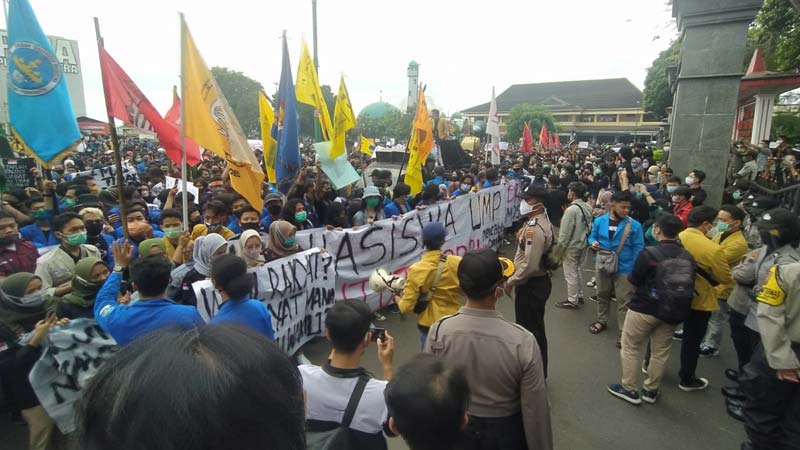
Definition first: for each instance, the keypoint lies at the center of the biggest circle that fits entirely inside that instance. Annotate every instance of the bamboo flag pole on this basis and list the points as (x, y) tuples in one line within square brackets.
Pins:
[(114, 140), (184, 194)]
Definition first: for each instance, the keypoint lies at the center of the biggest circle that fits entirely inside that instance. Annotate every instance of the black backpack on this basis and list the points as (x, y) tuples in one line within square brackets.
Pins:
[(672, 287)]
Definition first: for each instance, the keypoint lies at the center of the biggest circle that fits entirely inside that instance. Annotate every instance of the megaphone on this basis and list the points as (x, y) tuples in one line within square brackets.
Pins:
[(381, 280)]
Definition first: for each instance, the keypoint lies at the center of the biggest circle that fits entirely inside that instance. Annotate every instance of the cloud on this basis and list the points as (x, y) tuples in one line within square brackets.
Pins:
[(464, 48)]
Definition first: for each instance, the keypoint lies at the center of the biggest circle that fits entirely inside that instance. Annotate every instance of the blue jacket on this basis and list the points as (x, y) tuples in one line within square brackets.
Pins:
[(249, 313), (35, 234), (126, 323), (633, 245), (392, 209)]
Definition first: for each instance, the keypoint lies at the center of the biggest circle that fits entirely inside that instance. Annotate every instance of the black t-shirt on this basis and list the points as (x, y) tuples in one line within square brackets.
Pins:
[(699, 195), (556, 200), (612, 226)]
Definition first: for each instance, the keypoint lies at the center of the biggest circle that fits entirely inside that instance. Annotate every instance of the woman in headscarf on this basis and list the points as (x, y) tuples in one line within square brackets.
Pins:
[(23, 308), (250, 248), (282, 240), (90, 274), (205, 249), (153, 246)]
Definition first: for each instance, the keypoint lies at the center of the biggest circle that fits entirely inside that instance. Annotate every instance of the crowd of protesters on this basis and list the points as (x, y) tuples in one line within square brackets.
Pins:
[(63, 256)]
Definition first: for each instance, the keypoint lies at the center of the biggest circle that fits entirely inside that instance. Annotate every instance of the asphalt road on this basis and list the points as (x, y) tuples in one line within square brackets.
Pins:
[(584, 415)]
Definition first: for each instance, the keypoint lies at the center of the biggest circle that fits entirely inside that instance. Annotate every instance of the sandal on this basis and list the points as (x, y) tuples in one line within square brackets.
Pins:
[(597, 327)]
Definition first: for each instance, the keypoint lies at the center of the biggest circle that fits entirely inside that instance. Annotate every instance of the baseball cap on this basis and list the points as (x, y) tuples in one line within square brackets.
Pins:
[(481, 270), (534, 192), (371, 191), (763, 203), (433, 233), (273, 197), (777, 218), (652, 170)]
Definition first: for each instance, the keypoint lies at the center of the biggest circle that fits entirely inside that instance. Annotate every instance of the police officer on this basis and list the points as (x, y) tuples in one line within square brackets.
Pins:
[(531, 280), (771, 381)]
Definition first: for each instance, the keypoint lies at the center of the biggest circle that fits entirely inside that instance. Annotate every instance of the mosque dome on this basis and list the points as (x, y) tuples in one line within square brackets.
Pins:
[(378, 110)]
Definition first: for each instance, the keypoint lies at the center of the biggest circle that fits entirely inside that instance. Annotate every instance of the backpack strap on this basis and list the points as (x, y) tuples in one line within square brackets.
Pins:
[(625, 235), (355, 397), (438, 277), (656, 253)]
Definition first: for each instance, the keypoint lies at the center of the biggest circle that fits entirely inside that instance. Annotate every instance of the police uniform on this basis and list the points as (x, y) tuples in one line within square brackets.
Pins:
[(532, 282), (772, 406)]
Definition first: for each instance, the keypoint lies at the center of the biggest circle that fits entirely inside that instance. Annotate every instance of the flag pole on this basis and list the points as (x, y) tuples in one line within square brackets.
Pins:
[(114, 139), (184, 194)]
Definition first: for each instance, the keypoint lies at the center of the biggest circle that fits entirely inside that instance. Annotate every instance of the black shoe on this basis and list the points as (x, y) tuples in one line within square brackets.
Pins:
[(735, 410), (732, 375), (593, 298), (733, 392), (566, 304), (581, 300), (678, 335)]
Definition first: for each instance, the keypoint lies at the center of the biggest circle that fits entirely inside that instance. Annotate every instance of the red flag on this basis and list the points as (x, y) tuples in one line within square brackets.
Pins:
[(173, 117), (127, 103), (557, 140), (543, 140), (527, 139)]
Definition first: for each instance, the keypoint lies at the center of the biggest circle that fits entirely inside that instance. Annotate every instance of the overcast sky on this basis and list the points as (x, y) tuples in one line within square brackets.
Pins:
[(464, 48)]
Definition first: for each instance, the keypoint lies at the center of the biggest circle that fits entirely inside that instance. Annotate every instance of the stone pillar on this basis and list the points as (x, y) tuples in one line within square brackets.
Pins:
[(711, 67), (762, 117)]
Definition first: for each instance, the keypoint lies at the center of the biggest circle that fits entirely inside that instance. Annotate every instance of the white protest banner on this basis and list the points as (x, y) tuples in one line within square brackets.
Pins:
[(72, 356), (190, 187), (107, 176), (583, 144), (472, 221), (298, 291)]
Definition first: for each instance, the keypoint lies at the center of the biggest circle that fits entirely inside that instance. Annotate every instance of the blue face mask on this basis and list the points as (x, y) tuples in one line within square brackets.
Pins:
[(290, 241)]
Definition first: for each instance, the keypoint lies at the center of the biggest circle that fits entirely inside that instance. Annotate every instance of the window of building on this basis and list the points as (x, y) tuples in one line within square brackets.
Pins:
[(629, 118), (606, 117), (585, 118), (563, 118)]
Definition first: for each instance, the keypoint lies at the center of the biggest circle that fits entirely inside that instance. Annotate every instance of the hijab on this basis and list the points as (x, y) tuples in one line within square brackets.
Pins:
[(84, 290), (243, 238), (146, 245), (278, 232), (204, 247), (20, 316)]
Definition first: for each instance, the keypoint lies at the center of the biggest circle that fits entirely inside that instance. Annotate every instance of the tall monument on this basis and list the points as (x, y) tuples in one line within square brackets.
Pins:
[(707, 86), (413, 85)]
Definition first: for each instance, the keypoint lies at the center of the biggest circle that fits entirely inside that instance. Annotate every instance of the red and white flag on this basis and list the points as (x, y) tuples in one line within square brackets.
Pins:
[(127, 103)]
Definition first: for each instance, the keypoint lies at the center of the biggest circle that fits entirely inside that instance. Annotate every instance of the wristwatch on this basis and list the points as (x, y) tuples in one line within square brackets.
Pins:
[(119, 269)]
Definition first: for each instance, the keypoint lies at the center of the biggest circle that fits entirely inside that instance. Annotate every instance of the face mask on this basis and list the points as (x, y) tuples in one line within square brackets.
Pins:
[(671, 189), (372, 202), (254, 253), (31, 300), (675, 199), (249, 225), (94, 229), (525, 208), (172, 233), (737, 196), (645, 164), (68, 202), (652, 179), (300, 217), (213, 226), (274, 209), (465, 187), (689, 181), (290, 241), (42, 214), (76, 239), (722, 227), (598, 171)]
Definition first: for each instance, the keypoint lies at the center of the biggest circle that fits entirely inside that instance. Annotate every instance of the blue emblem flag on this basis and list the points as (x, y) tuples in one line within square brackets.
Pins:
[(287, 158), (39, 106)]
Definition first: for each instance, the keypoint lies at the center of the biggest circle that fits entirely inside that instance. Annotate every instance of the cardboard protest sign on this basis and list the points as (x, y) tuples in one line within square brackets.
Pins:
[(72, 356), (298, 291), (190, 187), (18, 172), (107, 176)]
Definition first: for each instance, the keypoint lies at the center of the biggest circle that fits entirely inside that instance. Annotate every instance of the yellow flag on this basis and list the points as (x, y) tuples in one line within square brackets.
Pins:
[(413, 174), (367, 146), (343, 120), (423, 127), (210, 122), (308, 91), (267, 115)]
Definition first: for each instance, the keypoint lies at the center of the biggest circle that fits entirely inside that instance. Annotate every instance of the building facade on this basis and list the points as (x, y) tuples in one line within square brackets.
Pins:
[(598, 111)]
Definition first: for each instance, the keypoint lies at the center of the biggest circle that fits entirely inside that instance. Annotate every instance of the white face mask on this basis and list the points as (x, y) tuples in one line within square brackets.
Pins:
[(689, 180), (525, 208), (675, 199), (645, 164)]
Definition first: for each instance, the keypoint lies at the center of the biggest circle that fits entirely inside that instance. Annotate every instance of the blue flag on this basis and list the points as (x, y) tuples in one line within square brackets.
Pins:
[(39, 106), (287, 157)]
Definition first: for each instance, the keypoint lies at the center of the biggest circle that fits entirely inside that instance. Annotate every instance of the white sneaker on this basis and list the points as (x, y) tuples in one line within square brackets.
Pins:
[(592, 283)]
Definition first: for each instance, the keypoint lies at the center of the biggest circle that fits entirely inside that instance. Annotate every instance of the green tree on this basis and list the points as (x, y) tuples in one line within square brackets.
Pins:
[(776, 30), (305, 112), (525, 112), (395, 124), (786, 123), (241, 92), (657, 92)]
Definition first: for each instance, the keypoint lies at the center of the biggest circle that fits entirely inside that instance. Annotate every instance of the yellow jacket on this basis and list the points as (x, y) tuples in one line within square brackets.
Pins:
[(447, 298), (735, 248), (709, 257), (201, 230)]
